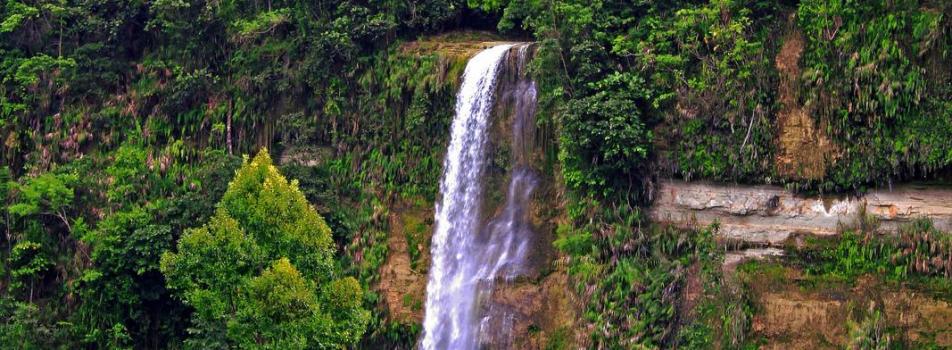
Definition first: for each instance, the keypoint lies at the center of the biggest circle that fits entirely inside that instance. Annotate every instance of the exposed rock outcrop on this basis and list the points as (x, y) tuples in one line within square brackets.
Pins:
[(305, 156), (403, 285), (732, 259), (536, 315), (770, 214), (804, 150), (793, 314), (460, 45)]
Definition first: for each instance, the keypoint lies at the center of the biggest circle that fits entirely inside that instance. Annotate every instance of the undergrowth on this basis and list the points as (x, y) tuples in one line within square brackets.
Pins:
[(632, 275)]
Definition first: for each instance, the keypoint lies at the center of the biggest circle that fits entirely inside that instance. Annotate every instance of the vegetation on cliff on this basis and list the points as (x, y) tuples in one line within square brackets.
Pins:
[(699, 87), (703, 90), (865, 289), (122, 122)]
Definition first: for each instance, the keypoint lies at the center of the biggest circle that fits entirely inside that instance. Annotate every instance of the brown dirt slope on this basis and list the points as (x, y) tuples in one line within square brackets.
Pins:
[(457, 45), (795, 312), (804, 150), (542, 314), (402, 287)]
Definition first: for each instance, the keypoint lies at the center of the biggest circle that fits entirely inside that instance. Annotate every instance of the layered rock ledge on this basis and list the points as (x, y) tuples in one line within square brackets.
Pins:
[(771, 214)]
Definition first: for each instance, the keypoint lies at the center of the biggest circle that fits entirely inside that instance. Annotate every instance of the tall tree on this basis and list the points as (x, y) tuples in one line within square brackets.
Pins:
[(260, 273)]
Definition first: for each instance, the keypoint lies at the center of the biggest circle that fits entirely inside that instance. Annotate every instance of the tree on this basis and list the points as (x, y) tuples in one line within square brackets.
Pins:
[(6, 184), (49, 194), (123, 291), (27, 263), (604, 139), (260, 273)]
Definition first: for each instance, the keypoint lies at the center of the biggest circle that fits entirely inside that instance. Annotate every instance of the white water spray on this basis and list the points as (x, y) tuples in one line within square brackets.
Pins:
[(461, 263)]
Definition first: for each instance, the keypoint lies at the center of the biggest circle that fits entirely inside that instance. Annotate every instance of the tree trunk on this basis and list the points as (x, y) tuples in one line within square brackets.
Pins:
[(231, 106)]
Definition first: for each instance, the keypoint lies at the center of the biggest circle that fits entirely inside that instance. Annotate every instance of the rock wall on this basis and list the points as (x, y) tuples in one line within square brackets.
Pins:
[(402, 278), (535, 310), (796, 313), (771, 214), (804, 149)]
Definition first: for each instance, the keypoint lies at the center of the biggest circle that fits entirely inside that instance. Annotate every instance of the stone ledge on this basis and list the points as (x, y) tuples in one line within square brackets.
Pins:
[(771, 214)]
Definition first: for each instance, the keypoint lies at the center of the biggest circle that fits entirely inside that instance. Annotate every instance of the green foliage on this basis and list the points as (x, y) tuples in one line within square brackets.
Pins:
[(870, 333), (604, 141), (417, 233), (6, 185), (711, 60), (122, 292), (691, 78), (573, 243), (852, 257), (918, 248), (631, 276), (722, 313), (278, 217), (221, 269), (872, 78), (281, 307), (49, 194), (26, 264), (413, 96), (16, 321), (391, 157), (17, 12), (559, 340), (128, 172), (119, 293), (24, 326), (117, 120)]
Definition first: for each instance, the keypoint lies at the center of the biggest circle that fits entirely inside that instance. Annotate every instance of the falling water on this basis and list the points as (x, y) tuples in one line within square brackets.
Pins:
[(469, 254), (508, 236)]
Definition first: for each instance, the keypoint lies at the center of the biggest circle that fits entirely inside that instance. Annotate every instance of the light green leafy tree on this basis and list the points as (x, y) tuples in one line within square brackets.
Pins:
[(260, 274), (50, 194)]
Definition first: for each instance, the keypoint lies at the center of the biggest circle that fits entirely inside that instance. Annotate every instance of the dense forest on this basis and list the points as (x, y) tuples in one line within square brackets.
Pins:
[(151, 194)]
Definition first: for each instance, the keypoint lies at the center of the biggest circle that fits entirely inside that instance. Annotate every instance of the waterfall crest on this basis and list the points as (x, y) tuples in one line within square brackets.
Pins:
[(469, 253)]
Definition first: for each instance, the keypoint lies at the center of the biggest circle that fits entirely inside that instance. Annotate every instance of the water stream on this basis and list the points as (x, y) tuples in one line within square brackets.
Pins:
[(470, 252)]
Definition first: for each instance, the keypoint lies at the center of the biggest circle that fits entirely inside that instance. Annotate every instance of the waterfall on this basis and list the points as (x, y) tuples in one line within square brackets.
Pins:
[(469, 253)]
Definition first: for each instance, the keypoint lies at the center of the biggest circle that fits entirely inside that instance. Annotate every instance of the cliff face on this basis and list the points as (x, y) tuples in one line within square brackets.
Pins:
[(804, 149), (797, 313), (536, 308), (403, 275), (771, 214), (539, 309)]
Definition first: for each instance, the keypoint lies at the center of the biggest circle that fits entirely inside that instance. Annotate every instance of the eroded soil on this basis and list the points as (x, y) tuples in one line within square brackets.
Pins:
[(804, 150), (796, 311), (403, 276)]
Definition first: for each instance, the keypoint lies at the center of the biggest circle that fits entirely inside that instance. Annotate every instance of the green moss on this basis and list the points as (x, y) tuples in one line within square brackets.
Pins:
[(417, 228), (559, 339), (412, 302), (771, 271)]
